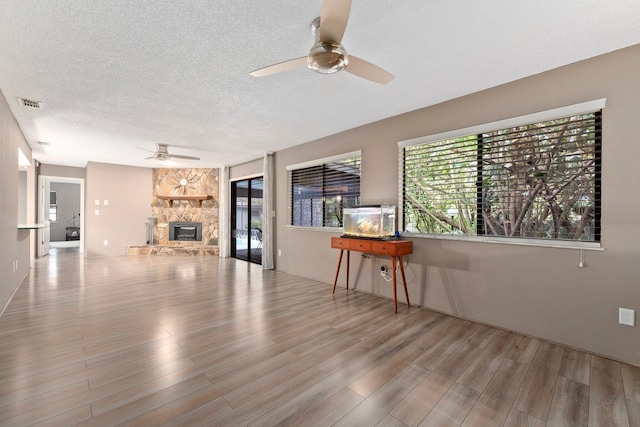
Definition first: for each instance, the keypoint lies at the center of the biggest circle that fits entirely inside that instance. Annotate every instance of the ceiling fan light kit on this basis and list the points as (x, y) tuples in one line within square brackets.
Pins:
[(327, 58)]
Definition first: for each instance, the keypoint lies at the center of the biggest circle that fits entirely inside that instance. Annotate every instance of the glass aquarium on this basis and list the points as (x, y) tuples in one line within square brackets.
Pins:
[(375, 222)]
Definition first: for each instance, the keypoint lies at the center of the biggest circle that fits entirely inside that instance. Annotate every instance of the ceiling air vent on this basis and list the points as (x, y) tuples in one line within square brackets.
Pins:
[(42, 142), (30, 103)]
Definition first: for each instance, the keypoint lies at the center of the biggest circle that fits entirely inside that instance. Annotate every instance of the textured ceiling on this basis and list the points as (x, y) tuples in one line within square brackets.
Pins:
[(120, 74)]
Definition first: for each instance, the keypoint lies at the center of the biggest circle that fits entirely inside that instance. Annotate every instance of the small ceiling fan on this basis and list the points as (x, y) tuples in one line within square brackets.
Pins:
[(162, 153), (327, 55)]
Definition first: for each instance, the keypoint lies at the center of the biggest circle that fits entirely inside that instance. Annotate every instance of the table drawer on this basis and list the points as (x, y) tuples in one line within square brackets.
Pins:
[(351, 244), (339, 243), (392, 248), (360, 245)]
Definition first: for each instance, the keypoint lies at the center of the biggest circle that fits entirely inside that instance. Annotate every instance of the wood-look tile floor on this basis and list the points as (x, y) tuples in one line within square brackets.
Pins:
[(202, 341)]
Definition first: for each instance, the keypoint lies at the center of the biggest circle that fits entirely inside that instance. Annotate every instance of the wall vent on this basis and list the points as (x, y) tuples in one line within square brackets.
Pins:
[(29, 103)]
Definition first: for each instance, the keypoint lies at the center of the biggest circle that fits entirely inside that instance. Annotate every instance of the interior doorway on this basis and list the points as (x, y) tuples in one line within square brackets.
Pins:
[(246, 219), (61, 209)]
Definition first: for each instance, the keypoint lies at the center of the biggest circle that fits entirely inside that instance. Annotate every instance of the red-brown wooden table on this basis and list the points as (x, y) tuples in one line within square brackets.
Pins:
[(393, 248)]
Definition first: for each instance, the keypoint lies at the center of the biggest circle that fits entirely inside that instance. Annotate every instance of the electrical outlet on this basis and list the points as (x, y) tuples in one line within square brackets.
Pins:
[(106, 242), (627, 317)]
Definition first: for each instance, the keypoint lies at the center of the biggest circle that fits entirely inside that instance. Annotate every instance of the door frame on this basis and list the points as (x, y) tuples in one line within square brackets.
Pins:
[(44, 234), (233, 217)]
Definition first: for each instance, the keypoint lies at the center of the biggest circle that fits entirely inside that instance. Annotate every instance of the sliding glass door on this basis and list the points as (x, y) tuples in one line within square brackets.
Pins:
[(246, 219)]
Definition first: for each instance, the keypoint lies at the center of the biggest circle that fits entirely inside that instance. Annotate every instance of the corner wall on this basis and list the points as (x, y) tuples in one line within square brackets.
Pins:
[(536, 291), (16, 244)]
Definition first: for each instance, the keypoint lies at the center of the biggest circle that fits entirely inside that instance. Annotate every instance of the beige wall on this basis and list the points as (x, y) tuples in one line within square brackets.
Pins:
[(122, 221), (244, 170), (533, 290), (62, 171), (16, 244)]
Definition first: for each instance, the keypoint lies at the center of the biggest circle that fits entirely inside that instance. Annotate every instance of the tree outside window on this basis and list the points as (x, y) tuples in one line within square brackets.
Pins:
[(538, 181)]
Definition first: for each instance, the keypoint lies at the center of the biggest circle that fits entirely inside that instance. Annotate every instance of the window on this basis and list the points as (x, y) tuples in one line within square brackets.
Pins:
[(318, 191), (53, 206), (539, 180)]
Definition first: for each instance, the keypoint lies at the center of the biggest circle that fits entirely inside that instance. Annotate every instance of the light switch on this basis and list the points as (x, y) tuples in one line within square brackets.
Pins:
[(97, 211), (97, 202), (105, 202)]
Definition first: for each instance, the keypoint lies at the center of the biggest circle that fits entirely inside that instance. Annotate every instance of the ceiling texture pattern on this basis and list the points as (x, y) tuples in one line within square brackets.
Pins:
[(116, 75)]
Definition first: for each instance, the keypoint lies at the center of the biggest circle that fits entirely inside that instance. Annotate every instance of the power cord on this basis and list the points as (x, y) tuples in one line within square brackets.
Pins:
[(385, 274)]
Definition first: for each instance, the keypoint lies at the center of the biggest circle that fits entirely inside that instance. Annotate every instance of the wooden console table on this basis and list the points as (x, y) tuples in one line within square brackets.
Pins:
[(393, 248)]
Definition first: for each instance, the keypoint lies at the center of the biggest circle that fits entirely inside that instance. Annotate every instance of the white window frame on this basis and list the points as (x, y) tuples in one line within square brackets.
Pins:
[(542, 116)]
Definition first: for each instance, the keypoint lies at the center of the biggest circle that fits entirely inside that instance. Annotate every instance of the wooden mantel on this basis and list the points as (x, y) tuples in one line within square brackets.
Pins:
[(198, 197)]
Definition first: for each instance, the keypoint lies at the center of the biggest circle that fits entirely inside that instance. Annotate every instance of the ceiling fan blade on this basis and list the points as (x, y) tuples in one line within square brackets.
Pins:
[(178, 156), (282, 66), (333, 20), (146, 149), (367, 70)]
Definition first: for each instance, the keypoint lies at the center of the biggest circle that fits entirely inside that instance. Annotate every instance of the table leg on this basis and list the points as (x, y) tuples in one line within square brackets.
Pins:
[(393, 270), (404, 281), (348, 255), (338, 270)]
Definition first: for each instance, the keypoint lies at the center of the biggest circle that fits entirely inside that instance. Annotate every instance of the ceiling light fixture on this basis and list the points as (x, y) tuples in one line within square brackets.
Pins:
[(327, 58)]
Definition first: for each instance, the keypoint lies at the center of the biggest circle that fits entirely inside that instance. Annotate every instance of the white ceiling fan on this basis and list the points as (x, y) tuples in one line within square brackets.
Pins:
[(162, 153), (328, 56)]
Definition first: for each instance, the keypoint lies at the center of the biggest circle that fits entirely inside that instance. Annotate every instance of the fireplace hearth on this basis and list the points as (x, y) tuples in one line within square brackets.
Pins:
[(185, 231)]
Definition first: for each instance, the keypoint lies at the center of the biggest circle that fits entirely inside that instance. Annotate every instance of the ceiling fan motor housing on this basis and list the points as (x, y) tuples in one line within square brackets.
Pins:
[(162, 152), (327, 57)]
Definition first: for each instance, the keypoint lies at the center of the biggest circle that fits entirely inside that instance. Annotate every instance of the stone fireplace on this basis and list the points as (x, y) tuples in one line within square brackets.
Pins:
[(185, 213), (177, 199)]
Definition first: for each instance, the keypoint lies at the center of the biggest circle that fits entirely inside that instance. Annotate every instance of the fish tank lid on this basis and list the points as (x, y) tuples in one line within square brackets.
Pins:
[(382, 205)]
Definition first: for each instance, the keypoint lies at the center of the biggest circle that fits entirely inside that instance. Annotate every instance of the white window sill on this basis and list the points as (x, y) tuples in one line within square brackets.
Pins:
[(558, 244)]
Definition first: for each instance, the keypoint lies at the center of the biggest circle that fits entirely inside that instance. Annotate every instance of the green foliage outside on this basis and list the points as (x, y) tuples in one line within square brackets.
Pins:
[(534, 181)]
